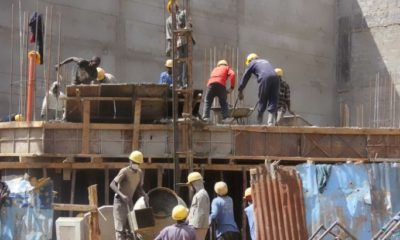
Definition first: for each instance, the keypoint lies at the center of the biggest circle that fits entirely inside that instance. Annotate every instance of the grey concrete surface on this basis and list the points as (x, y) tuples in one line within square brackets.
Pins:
[(297, 35)]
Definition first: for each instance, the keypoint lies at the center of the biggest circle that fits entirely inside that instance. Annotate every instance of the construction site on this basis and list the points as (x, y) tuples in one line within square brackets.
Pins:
[(327, 169)]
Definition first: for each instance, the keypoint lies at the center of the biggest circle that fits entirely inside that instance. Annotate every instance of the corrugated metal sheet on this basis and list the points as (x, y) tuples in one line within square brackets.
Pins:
[(362, 197), (278, 204)]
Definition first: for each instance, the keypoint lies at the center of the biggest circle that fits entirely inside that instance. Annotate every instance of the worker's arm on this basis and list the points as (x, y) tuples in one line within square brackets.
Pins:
[(44, 104), (141, 190), (214, 210), (114, 186), (246, 76), (66, 61), (232, 77)]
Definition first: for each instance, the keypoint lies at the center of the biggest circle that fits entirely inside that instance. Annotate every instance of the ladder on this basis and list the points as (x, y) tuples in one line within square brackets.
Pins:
[(186, 91)]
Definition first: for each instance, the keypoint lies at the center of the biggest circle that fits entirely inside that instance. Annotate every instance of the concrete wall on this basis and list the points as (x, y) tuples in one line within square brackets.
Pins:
[(297, 35), (368, 61)]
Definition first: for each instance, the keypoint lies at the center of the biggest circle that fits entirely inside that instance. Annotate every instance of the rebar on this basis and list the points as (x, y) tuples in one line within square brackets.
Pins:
[(12, 61)]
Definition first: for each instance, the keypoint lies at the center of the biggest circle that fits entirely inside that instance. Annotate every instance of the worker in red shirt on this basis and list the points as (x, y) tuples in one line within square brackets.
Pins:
[(216, 87)]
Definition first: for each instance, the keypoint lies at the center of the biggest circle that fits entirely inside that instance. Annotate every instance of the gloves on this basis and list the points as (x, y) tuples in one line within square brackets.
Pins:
[(240, 96)]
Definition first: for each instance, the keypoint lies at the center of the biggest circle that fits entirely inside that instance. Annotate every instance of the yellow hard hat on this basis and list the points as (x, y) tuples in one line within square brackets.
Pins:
[(100, 74), (169, 5), (194, 176), (37, 55), (251, 57), (179, 212), (169, 63), (279, 72), (247, 193), (221, 188), (136, 157), (222, 62), (19, 117)]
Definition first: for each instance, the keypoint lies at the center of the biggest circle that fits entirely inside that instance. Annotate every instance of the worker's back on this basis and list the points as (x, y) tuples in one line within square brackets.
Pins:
[(179, 231), (220, 75), (262, 69)]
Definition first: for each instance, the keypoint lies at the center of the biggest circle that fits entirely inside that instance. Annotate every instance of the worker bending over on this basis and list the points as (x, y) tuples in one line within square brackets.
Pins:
[(200, 207), (54, 103), (125, 184), (268, 86), (166, 76), (249, 210), (179, 231), (284, 96), (222, 214), (216, 87), (103, 77), (87, 69)]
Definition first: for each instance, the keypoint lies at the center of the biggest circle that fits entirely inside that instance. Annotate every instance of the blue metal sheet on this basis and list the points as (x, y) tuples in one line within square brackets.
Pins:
[(346, 199)]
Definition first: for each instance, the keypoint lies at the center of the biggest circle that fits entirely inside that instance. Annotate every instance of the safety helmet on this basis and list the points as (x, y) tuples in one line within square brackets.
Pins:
[(169, 5), (251, 57), (221, 188), (194, 176), (279, 72), (100, 74), (179, 212), (222, 62), (169, 63), (247, 193), (36, 54), (136, 157), (18, 118)]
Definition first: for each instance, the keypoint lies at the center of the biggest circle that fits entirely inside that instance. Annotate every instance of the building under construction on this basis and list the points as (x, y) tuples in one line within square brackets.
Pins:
[(329, 171)]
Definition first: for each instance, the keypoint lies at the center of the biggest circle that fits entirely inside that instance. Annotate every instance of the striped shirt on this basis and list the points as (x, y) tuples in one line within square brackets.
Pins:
[(284, 96)]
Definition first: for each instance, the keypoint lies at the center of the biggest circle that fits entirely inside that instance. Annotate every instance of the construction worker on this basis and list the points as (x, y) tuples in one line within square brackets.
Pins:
[(249, 210), (103, 77), (87, 69), (166, 76), (12, 117), (179, 231), (200, 207), (284, 96), (268, 86), (125, 184), (181, 42), (222, 214), (216, 87), (54, 103)]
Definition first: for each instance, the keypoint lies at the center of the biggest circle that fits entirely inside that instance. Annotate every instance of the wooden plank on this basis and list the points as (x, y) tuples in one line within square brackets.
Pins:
[(73, 185), (100, 98), (73, 207), (94, 229), (85, 127), (136, 125), (160, 172)]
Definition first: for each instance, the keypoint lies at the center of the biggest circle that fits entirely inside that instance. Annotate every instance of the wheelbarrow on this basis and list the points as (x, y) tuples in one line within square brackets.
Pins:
[(239, 114)]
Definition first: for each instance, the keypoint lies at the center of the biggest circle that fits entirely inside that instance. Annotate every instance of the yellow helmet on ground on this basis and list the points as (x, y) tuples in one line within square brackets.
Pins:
[(179, 212), (136, 157), (251, 57), (221, 188), (100, 74), (169, 5), (222, 62), (194, 176), (18, 118), (279, 72), (169, 63), (247, 193)]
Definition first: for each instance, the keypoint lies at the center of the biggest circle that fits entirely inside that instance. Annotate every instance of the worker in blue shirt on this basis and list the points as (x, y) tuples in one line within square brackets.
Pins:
[(268, 86), (166, 76), (222, 214), (249, 210)]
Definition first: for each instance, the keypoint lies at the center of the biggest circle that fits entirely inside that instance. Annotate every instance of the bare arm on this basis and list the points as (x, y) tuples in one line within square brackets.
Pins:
[(114, 187)]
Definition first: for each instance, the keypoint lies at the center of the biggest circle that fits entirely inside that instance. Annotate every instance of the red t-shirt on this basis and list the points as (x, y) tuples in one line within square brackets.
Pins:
[(221, 74)]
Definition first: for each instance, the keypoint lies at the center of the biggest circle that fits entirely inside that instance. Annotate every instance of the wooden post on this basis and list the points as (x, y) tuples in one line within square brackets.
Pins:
[(107, 186), (73, 184), (244, 222), (85, 127), (136, 124), (94, 230), (160, 171)]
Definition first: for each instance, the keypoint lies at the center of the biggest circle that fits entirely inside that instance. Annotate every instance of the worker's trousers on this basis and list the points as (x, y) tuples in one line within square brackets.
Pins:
[(268, 93), (120, 212), (229, 236), (216, 90), (182, 66)]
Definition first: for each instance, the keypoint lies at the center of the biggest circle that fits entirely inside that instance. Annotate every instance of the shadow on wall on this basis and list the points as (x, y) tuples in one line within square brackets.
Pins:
[(365, 76)]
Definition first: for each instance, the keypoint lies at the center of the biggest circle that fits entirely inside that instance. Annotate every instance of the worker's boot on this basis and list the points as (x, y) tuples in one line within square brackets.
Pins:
[(260, 118)]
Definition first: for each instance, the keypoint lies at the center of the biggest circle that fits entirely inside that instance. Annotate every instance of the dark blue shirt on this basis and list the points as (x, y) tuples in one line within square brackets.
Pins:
[(165, 78), (259, 67), (222, 214)]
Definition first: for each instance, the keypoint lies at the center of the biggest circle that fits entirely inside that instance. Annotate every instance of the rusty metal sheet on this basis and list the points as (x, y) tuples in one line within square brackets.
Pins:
[(278, 204)]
